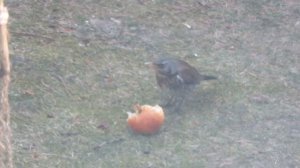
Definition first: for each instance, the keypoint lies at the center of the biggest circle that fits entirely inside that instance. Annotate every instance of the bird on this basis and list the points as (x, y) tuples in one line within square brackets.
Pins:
[(176, 79)]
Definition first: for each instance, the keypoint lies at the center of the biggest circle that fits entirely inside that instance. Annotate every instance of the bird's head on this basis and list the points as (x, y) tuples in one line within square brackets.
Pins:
[(165, 66)]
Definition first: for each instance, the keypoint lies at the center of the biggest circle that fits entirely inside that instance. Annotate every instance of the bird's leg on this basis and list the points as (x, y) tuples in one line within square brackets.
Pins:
[(178, 102), (165, 98), (180, 95), (178, 99)]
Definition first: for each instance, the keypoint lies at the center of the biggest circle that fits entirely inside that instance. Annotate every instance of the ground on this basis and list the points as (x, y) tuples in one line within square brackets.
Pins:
[(79, 66)]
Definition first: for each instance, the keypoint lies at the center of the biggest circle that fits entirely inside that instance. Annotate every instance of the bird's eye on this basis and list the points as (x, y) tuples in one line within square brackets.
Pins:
[(161, 64)]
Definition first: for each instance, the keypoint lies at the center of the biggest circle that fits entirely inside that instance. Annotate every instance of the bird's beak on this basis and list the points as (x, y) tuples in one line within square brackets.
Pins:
[(150, 65)]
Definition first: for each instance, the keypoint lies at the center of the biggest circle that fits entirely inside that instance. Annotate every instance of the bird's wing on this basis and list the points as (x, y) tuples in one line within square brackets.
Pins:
[(189, 76)]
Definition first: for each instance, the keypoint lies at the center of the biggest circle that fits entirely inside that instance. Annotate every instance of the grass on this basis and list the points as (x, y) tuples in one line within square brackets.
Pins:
[(78, 68)]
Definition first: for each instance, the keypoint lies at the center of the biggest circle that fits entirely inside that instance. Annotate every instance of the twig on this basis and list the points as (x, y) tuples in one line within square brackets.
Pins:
[(58, 77), (32, 35), (108, 142), (6, 154)]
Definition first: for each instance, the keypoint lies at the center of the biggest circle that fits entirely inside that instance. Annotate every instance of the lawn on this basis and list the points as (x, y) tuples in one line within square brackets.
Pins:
[(79, 66)]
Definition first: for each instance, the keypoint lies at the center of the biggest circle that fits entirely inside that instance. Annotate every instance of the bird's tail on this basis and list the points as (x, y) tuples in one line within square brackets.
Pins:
[(207, 77)]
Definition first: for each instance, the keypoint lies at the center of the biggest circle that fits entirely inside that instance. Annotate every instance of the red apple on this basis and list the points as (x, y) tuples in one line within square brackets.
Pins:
[(146, 119)]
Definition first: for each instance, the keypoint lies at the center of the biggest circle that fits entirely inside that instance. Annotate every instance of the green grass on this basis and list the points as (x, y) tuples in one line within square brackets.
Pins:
[(74, 79)]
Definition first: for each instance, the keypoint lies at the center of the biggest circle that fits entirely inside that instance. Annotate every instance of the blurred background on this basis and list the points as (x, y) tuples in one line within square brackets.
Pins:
[(79, 66)]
